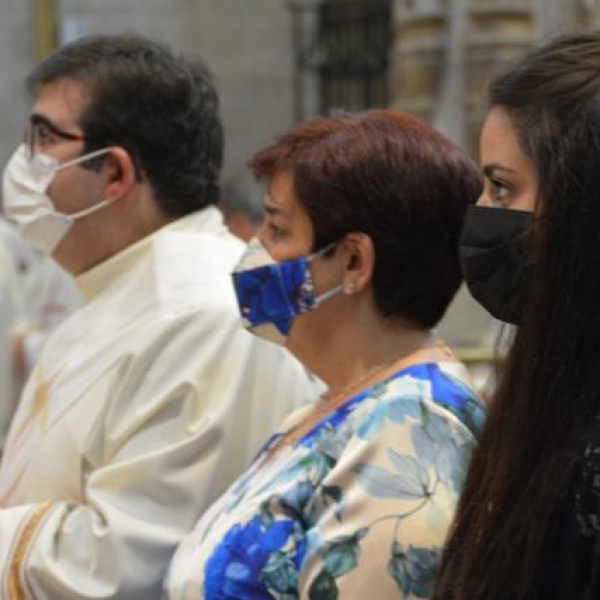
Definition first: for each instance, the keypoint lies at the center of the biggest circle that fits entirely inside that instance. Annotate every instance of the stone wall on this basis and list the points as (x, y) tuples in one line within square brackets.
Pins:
[(246, 44)]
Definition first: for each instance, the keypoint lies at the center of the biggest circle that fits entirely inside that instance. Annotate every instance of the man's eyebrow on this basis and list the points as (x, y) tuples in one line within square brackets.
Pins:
[(38, 119), (489, 170), (35, 118)]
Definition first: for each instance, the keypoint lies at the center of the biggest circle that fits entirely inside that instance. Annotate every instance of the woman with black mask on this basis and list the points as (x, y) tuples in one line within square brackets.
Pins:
[(528, 523)]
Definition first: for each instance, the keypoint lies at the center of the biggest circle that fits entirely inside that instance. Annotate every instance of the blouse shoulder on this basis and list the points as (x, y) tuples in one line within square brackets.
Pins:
[(447, 387), (380, 515)]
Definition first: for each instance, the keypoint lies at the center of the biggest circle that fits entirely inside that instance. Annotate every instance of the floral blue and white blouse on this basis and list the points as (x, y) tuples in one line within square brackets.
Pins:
[(358, 508)]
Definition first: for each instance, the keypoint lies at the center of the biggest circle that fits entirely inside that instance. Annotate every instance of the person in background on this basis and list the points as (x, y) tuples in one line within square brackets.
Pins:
[(356, 262), (242, 211), (49, 293), (37, 295), (528, 523), (148, 400), (11, 310)]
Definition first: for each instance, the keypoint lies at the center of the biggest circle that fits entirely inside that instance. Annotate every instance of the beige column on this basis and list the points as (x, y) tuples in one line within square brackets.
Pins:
[(44, 28), (417, 56), (501, 31), (445, 52)]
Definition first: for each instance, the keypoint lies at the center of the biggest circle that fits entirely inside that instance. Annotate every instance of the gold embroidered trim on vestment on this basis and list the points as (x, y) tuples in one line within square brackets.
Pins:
[(16, 590)]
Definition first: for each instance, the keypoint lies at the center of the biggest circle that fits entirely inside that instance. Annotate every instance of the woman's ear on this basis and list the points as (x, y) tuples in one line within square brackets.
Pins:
[(359, 254), (119, 171)]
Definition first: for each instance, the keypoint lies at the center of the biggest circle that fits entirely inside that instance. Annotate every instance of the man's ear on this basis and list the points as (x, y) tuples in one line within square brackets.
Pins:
[(359, 256), (119, 171)]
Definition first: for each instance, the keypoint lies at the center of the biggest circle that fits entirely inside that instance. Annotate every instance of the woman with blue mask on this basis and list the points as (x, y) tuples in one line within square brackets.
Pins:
[(528, 524), (354, 265)]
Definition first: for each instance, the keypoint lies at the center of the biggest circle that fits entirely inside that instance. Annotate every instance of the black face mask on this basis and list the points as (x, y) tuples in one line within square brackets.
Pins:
[(496, 259)]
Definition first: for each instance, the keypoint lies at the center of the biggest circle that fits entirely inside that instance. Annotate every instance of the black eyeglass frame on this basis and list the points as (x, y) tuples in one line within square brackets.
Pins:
[(37, 119)]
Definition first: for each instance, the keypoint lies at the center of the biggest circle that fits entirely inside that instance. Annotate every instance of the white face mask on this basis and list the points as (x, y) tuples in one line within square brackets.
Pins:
[(27, 204)]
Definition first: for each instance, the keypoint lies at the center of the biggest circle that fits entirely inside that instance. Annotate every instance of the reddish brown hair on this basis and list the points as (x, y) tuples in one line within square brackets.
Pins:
[(394, 178)]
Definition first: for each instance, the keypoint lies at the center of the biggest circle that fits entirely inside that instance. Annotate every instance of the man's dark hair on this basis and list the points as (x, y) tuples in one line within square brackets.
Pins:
[(162, 108)]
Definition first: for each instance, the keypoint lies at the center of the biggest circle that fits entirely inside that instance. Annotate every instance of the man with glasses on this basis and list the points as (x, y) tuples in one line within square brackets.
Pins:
[(146, 402)]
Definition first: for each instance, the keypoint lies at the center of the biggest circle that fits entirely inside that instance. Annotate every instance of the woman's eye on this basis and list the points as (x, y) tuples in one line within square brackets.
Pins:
[(276, 232), (500, 191)]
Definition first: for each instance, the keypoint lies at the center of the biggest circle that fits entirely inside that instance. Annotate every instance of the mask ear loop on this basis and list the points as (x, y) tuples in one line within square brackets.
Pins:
[(84, 158), (322, 251), (77, 161), (333, 291), (326, 295), (92, 209)]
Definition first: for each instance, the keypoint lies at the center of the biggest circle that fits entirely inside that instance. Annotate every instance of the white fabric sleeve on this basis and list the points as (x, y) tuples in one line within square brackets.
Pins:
[(150, 465)]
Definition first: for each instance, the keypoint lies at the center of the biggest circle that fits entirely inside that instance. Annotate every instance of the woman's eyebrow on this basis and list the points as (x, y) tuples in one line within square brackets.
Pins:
[(489, 170), (273, 209)]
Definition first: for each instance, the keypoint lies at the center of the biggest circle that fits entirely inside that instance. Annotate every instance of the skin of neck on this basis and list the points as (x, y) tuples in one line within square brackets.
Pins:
[(350, 341), (97, 237)]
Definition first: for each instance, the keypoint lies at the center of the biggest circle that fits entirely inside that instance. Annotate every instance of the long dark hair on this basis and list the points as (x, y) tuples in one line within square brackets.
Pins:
[(550, 387)]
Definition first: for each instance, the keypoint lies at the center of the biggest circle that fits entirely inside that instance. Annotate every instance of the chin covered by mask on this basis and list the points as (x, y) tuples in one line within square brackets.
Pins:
[(271, 294), (27, 204), (496, 259)]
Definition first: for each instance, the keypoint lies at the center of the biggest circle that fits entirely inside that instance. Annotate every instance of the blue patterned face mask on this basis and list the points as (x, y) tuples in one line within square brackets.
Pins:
[(271, 294)]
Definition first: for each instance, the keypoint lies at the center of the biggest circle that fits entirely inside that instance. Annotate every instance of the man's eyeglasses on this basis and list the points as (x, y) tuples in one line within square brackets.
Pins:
[(42, 133)]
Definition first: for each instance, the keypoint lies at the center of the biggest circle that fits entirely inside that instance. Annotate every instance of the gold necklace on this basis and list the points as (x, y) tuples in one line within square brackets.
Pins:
[(328, 401), (329, 397)]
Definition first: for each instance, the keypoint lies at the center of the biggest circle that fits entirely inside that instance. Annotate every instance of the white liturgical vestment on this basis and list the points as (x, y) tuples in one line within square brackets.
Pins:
[(144, 405), (50, 297), (36, 294)]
